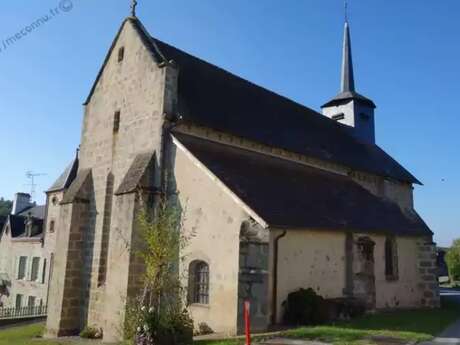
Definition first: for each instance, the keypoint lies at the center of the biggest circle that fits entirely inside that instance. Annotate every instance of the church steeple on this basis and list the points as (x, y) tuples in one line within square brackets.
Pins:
[(349, 107), (348, 78)]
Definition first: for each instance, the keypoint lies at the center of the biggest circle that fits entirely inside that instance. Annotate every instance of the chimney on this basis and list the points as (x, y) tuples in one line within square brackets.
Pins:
[(21, 202)]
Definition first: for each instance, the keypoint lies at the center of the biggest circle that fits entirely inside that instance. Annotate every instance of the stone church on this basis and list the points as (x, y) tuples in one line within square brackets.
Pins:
[(279, 196)]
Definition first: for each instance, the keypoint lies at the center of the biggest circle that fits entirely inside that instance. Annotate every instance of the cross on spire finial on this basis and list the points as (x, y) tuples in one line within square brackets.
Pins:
[(133, 8), (346, 11)]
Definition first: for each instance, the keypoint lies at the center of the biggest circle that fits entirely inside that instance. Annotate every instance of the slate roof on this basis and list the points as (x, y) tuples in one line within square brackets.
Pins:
[(66, 178), (212, 97), (18, 228), (347, 85), (137, 171), (35, 211), (346, 96), (293, 196), (72, 194)]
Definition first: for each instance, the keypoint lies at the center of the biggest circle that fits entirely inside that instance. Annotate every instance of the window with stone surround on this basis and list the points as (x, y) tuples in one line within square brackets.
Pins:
[(199, 282), (22, 267), (19, 299), (35, 268), (31, 301), (391, 259)]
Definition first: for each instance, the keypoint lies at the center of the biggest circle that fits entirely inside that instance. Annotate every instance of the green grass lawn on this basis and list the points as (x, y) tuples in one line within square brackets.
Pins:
[(25, 335), (408, 325), (417, 325)]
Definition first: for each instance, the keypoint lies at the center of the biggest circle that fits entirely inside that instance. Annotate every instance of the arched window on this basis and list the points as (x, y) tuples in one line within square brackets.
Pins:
[(391, 259), (199, 282)]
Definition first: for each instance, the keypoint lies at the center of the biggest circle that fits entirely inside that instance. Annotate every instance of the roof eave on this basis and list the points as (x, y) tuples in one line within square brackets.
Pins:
[(339, 101)]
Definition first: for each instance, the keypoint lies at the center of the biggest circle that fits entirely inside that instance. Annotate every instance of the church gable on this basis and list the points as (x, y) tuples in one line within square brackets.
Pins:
[(131, 37)]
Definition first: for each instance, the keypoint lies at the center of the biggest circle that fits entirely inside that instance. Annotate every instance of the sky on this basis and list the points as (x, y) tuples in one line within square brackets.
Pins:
[(406, 56)]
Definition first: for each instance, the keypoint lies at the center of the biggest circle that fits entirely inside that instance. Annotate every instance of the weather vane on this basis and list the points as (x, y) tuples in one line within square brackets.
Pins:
[(133, 8)]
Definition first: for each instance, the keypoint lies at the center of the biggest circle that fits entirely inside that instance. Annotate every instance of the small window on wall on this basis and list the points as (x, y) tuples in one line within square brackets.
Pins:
[(52, 224), (22, 267), (338, 117), (199, 282), (121, 54), (391, 259), (116, 121), (35, 268)]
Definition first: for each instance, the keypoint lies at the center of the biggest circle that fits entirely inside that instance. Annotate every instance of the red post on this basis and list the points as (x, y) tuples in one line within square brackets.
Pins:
[(247, 322)]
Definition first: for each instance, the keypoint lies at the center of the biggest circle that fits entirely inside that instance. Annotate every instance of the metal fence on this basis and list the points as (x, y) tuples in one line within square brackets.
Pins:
[(23, 312)]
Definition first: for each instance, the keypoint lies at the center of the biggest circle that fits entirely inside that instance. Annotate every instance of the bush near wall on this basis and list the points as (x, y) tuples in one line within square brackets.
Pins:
[(453, 261), (305, 307)]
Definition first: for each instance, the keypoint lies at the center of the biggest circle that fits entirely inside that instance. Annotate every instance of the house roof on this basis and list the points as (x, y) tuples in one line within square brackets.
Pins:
[(17, 222), (66, 178), (212, 97), (18, 227), (35, 211), (289, 195)]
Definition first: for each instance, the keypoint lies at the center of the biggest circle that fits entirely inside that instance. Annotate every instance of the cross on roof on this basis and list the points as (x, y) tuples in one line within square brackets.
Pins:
[(133, 8)]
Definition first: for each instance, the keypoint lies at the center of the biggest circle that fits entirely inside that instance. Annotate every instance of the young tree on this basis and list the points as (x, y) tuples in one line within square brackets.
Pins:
[(453, 261), (158, 315)]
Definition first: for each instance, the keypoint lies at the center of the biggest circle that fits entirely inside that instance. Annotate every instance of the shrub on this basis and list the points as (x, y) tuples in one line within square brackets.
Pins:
[(204, 329), (167, 329), (303, 307), (91, 333)]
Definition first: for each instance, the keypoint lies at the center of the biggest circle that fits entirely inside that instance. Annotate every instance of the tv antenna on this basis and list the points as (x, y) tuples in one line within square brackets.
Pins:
[(31, 176)]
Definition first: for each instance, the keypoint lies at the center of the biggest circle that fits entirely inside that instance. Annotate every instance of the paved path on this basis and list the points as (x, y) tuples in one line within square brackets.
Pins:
[(450, 336), (287, 341)]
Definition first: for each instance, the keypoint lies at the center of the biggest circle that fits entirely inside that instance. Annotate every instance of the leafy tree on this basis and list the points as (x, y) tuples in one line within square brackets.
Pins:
[(5, 207), (453, 261)]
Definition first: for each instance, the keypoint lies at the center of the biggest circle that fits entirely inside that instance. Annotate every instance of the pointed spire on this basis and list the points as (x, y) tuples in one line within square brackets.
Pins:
[(348, 79)]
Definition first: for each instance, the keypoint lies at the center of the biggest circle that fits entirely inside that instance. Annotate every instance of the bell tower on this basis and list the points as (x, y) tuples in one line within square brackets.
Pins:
[(349, 107)]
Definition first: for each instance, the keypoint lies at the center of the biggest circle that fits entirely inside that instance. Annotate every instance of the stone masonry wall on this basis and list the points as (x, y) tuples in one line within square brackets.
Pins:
[(65, 310), (253, 280), (136, 88), (427, 270)]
